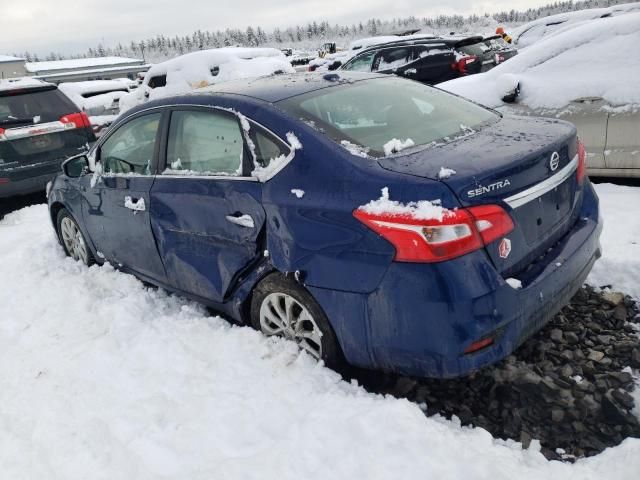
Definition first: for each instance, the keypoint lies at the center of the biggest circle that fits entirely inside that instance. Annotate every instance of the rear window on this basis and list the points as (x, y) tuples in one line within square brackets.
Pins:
[(373, 113), (33, 106)]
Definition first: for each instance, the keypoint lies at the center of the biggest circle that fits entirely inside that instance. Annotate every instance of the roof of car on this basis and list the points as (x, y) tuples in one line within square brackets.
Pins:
[(23, 83), (275, 88)]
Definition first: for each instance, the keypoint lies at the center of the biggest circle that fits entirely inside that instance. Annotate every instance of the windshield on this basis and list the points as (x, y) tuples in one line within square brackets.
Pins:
[(377, 113)]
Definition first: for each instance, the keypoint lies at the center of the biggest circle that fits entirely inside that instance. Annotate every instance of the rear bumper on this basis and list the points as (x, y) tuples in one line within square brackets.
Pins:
[(422, 317), (25, 186)]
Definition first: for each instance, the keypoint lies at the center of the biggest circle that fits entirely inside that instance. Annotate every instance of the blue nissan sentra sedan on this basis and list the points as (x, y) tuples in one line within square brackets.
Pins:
[(373, 220)]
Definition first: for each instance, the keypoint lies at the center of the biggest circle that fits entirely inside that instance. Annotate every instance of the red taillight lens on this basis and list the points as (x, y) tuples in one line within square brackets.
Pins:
[(461, 65), (76, 120), (479, 345), (582, 162), (2, 136), (4, 180), (492, 222), (428, 241)]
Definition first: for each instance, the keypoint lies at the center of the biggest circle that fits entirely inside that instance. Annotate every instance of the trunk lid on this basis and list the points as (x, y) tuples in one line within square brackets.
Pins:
[(526, 165)]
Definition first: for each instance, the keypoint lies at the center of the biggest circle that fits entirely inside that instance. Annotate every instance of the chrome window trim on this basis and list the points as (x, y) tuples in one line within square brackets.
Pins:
[(208, 177), (543, 187)]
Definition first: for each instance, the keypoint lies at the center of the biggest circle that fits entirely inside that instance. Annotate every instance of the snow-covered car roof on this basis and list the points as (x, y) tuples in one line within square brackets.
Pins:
[(94, 86), (20, 83), (534, 31), (207, 67), (198, 65), (591, 60)]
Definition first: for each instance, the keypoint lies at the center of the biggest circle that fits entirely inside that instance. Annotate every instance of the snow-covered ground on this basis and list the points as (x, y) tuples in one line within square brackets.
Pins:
[(101, 377), (620, 263)]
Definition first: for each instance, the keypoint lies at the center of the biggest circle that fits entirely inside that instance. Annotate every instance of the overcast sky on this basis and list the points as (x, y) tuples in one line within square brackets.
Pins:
[(72, 26)]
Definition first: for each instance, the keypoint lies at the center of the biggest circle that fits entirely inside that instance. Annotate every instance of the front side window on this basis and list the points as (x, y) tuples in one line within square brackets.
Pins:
[(204, 143), (372, 113), (130, 149), (361, 63)]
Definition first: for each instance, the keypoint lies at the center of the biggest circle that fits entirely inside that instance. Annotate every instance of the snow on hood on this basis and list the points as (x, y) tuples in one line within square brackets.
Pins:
[(592, 60)]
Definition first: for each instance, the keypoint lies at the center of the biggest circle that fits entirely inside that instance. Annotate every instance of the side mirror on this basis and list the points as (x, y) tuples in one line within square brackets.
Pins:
[(76, 167)]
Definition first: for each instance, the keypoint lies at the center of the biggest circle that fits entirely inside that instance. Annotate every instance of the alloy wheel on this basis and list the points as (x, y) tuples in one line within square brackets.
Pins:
[(283, 315), (73, 240)]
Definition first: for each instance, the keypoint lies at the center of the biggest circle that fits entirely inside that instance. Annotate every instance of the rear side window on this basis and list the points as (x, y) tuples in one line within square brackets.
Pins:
[(204, 143), (391, 58), (35, 106), (361, 63), (158, 81), (268, 147)]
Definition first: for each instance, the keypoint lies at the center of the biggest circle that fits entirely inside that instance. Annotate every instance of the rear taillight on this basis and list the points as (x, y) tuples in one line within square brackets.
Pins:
[(459, 232), (582, 162), (76, 120), (2, 135), (461, 65), (4, 180)]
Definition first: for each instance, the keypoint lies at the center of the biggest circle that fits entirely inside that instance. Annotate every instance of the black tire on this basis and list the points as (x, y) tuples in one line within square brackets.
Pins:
[(81, 252), (277, 284)]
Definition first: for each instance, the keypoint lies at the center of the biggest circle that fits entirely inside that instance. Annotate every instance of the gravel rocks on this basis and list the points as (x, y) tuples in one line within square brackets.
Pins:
[(568, 386)]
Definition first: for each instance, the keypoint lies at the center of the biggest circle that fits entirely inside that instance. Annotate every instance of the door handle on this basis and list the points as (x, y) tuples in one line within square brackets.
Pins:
[(135, 204), (241, 220)]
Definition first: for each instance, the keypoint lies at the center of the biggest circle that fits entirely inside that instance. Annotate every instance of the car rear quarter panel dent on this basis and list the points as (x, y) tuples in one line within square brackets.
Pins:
[(317, 234)]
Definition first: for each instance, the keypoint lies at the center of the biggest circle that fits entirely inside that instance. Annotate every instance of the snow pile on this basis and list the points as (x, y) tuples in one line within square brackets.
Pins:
[(591, 60), (514, 283), (422, 210), (102, 377), (395, 145), (354, 149), (620, 262), (445, 173)]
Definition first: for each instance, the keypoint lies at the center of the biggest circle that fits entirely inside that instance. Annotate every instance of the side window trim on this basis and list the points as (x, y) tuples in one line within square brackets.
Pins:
[(97, 151), (281, 142)]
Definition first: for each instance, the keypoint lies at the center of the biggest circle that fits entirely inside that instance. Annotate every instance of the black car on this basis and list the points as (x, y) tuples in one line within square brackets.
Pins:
[(39, 128), (430, 60), (491, 51)]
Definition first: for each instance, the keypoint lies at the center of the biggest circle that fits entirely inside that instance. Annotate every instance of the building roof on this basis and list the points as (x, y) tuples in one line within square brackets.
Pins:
[(79, 63), (10, 59)]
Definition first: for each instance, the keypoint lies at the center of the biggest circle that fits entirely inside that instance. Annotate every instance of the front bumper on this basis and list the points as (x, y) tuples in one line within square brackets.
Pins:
[(422, 317)]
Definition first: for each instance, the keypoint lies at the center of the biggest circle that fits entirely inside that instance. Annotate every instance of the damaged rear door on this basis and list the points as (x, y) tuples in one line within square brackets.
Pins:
[(207, 215)]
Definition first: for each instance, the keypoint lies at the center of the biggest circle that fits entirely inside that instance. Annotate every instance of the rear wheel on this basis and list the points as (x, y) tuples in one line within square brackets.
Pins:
[(73, 241), (282, 307)]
